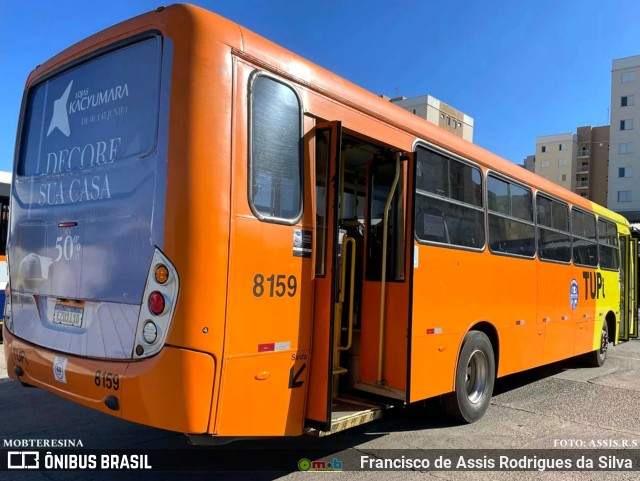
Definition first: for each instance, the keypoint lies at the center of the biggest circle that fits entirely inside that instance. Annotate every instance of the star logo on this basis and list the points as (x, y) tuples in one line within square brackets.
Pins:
[(60, 119)]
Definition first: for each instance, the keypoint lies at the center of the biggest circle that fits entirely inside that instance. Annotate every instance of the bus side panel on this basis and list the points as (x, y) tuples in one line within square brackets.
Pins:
[(496, 289), (439, 316), (199, 196), (585, 312), (511, 301), (607, 300), (187, 375), (554, 310), (199, 178), (140, 386), (199, 181), (267, 334)]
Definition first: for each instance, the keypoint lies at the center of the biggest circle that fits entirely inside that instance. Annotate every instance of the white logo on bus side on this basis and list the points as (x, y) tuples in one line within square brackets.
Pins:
[(573, 294)]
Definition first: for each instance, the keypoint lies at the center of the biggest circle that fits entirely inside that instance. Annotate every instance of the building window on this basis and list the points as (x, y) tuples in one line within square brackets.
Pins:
[(562, 162), (544, 164), (626, 124), (627, 101), (560, 147), (625, 148), (275, 154), (624, 196), (562, 177), (448, 120), (627, 77), (624, 172), (414, 111), (543, 148)]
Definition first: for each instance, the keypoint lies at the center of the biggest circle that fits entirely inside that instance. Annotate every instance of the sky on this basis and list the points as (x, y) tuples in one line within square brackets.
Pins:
[(521, 69)]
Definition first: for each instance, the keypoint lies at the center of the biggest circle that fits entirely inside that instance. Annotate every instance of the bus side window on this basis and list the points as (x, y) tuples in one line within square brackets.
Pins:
[(608, 245), (275, 151), (554, 240), (584, 240), (511, 227), (448, 200)]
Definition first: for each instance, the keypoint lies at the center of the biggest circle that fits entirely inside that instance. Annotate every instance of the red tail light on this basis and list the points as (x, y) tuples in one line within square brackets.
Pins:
[(156, 303)]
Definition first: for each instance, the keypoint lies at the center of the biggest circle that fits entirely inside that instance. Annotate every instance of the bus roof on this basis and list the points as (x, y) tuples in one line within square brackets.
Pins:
[(299, 70)]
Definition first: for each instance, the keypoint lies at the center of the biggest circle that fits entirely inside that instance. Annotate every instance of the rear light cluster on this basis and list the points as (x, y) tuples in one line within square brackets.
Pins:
[(158, 305)]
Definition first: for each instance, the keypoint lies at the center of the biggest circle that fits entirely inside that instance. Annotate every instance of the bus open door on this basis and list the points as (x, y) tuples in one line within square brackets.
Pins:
[(361, 223)]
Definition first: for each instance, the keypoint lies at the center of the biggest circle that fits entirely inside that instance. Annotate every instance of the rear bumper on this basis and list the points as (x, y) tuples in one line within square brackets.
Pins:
[(172, 390)]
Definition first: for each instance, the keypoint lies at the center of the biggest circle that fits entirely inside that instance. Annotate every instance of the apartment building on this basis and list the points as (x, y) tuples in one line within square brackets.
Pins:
[(592, 170), (439, 113), (576, 161), (624, 154), (530, 163), (556, 159)]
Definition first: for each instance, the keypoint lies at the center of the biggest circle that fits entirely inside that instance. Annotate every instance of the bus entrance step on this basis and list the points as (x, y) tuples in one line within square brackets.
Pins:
[(348, 413)]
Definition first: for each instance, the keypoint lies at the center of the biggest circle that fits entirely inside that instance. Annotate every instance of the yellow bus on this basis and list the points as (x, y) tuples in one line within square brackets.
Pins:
[(212, 235)]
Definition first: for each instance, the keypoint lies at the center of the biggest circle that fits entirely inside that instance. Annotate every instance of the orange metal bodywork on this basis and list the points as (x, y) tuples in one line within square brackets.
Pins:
[(212, 376), (171, 390)]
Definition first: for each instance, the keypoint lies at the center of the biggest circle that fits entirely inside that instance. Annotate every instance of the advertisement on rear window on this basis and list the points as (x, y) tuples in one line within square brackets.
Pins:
[(88, 202), (91, 116)]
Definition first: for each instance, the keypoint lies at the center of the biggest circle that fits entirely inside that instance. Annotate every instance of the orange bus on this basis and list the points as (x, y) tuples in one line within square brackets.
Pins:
[(210, 234)]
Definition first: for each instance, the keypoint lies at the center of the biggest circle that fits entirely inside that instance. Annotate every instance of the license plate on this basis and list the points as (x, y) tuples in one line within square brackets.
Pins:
[(68, 315)]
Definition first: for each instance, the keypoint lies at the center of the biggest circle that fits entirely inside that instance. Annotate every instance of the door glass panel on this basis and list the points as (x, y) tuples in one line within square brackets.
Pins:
[(323, 141)]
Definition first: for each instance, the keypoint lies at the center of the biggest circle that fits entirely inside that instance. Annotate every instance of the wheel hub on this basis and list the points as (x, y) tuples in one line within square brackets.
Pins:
[(476, 376)]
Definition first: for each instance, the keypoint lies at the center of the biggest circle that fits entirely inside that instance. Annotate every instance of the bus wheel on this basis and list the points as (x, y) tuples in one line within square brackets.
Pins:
[(475, 377), (597, 358)]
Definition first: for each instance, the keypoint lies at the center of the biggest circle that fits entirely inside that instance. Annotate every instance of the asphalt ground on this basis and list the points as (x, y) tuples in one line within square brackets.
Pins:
[(561, 405)]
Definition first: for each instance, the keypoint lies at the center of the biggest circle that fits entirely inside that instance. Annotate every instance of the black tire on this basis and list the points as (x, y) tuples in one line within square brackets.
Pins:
[(475, 378), (598, 357)]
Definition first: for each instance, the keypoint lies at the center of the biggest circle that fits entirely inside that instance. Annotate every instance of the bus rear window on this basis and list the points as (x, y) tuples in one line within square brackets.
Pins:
[(95, 113)]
